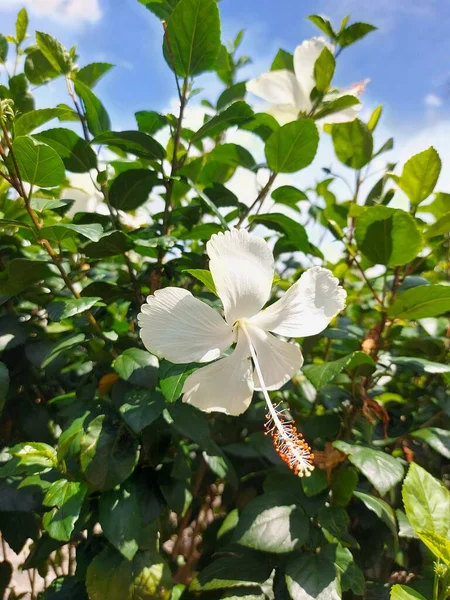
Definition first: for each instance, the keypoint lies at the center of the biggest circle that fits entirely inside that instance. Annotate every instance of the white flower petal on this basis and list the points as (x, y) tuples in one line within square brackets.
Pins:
[(225, 386), (283, 113), (305, 57), (279, 361), (306, 308), (242, 267), (277, 87), (177, 326)]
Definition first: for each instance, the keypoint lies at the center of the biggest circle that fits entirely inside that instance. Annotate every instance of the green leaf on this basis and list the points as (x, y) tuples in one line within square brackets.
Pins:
[(438, 544), (343, 485), (110, 244), (61, 347), (3, 49), (131, 189), (38, 164), (20, 93), (75, 152), (61, 231), (92, 73), (404, 592), (150, 122), (97, 118), (231, 94), (21, 25), (33, 119), (140, 408), (311, 577), (138, 367), (351, 576), (242, 567), (269, 524), (54, 52), (262, 125), (38, 69), (438, 439), (161, 8), (292, 147), (422, 365), (441, 227), (324, 70), (323, 24), (236, 114), (122, 512), (283, 61), (134, 142), (420, 175), (388, 236), (112, 576), (321, 374), (4, 385), (191, 422), (380, 508), (65, 588), (34, 454), (293, 231), (193, 31), (421, 302), (233, 155), (205, 277), (336, 105), (382, 470), (64, 308), (172, 378), (427, 504), (288, 195), (65, 498), (108, 454), (21, 274), (353, 33), (353, 143)]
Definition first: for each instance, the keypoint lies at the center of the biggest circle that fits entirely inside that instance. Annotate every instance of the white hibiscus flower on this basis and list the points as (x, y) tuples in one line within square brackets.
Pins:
[(289, 93), (182, 329)]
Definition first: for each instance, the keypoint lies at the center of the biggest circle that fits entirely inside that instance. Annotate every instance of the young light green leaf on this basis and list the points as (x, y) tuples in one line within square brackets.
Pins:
[(97, 118), (420, 175), (21, 25), (324, 70), (421, 302), (353, 143), (404, 592), (205, 277), (54, 52), (65, 498)]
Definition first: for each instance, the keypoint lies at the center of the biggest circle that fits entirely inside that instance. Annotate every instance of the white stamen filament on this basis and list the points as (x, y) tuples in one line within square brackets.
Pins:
[(299, 461)]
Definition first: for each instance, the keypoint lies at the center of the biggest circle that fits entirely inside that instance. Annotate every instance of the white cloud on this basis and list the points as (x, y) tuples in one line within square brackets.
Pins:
[(70, 12), (432, 101)]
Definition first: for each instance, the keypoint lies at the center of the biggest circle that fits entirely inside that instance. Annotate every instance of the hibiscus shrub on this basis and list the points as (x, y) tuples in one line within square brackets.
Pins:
[(129, 469)]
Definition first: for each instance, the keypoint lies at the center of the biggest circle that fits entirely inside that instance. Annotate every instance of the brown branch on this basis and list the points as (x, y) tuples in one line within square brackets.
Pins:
[(259, 198)]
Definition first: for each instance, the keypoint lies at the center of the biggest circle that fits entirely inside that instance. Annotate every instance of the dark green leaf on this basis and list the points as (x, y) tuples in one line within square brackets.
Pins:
[(75, 152), (420, 175), (270, 525), (292, 147), (65, 498), (283, 60), (92, 73), (130, 189), (139, 367), (380, 508), (38, 69), (388, 236), (65, 588), (353, 33), (353, 143), (233, 155), (110, 244), (54, 52), (141, 407), (231, 94), (108, 454), (288, 195), (3, 49), (337, 105), (236, 114), (38, 164), (150, 122), (110, 575), (4, 385), (311, 577), (382, 470), (134, 142), (97, 118), (21, 274), (64, 308), (193, 31), (5, 576), (61, 231), (293, 231), (323, 24), (321, 374), (172, 378), (161, 8)]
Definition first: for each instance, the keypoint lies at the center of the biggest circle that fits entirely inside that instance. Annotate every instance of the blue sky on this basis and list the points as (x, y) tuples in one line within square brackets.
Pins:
[(407, 59)]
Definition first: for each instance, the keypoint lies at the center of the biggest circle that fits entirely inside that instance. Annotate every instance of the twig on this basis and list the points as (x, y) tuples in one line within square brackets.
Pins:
[(259, 198)]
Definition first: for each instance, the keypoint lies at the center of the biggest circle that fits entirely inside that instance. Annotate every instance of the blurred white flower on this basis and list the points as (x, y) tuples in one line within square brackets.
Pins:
[(289, 93), (182, 329)]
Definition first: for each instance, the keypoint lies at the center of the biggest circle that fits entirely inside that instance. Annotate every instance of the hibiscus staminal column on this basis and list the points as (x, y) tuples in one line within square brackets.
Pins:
[(288, 442)]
